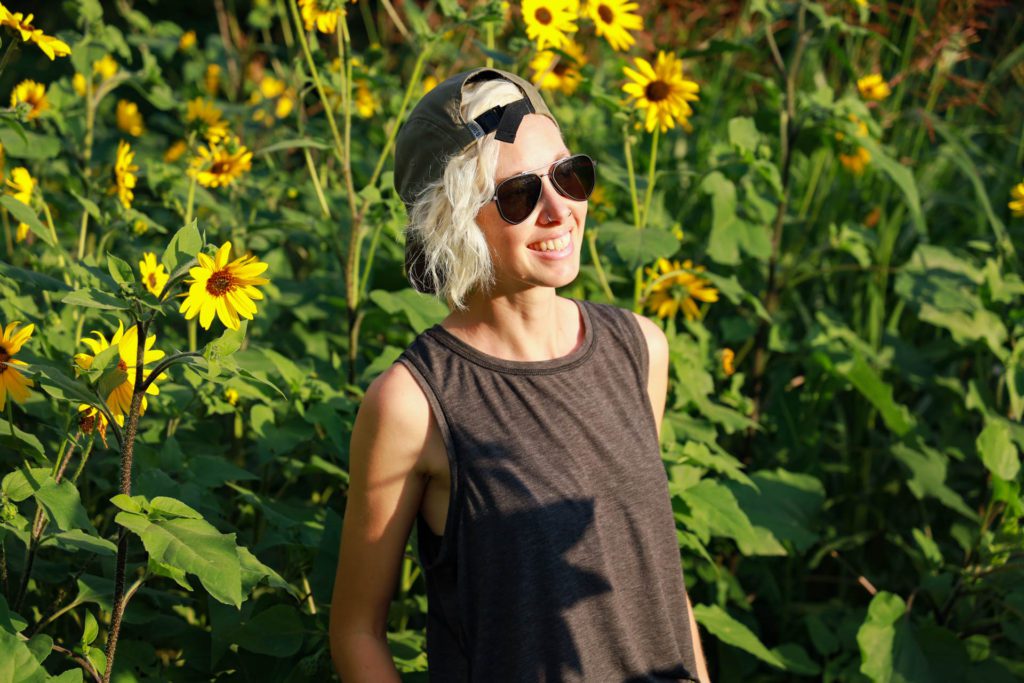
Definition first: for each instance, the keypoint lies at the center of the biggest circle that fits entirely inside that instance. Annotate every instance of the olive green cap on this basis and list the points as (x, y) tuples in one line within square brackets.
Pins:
[(436, 131)]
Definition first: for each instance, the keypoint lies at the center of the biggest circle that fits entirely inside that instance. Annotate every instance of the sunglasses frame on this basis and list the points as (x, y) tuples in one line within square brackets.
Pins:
[(554, 184)]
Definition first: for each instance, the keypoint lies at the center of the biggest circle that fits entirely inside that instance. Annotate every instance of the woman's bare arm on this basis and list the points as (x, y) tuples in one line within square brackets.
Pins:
[(385, 491), (657, 389)]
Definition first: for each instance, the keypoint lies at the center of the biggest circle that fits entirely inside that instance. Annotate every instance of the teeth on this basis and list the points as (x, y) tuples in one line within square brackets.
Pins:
[(552, 245)]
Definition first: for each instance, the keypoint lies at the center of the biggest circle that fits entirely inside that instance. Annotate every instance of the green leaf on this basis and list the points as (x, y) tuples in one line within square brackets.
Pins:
[(120, 270), (228, 342), (254, 571), (636, 247), (22, 442), (90, 206), (723, 242), (129, 503), (877, 634), (28, 145), (787, 504), (171, 508), (61, 502), (743, 133), (422, 311), (902, 176), (182, 248), (276, 632), (90, 629), (928, 475), (869, 383), (76, 539), (94, 298), (17, 662), (997, 450), (167, 571), (24, 214), (11, 622), (732, 632), (714, 507), (293, 143), (194, 546), (62, 387)]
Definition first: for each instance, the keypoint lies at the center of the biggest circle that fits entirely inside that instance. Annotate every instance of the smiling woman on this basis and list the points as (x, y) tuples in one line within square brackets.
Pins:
[(521, 433)]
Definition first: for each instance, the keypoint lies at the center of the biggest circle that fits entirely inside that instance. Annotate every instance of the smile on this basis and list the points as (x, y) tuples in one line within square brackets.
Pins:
[(557, 244)]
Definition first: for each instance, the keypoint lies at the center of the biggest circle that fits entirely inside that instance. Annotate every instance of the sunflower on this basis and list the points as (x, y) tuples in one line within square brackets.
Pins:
[(124, 174), (129, 119), (227, 289), (175, 151), (614, 20), (367, 103), (221, 164), (273, 90), (231, 396), (119, 400), (728, 356), (51, 47), (91, 419), (105, 67), (549, 21), (323, 14), (679, 291), (33, 94), (21, 186), (1017, 199), (153, 274), (187, 41), (873, 87), (662, 91), (856, 161), (552, 71), (429, 83), (206, 118), (11, 381), (211, 79)]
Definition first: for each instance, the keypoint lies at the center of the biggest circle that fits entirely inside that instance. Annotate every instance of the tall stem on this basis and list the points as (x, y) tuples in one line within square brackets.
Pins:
[(628, 146), (127, 451), (649, 194)]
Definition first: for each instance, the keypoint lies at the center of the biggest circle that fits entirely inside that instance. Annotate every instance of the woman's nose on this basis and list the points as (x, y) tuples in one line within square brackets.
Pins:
[(553, 205)]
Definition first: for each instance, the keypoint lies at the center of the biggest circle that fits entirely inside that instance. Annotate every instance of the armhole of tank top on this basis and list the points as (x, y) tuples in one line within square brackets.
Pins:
[(453, 465), (640, 348)]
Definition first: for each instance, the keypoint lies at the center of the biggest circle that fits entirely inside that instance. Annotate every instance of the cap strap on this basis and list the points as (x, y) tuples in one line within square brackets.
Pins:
[(503, 118)]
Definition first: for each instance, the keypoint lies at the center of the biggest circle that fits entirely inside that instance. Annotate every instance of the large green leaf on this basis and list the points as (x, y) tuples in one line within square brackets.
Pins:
[(715, 511), (723, 242), (194, 546), (636, 247), (870, 384), (877, 634), (785, 503), (24, 214), (61, 501), (95, 298), (719, 623), (997, 450), (928, 476), (422, 311), (902, 176), (24, 144), (182, 248)]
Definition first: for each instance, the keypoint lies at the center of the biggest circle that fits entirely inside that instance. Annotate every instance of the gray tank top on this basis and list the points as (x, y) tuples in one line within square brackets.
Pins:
[(559, 559)]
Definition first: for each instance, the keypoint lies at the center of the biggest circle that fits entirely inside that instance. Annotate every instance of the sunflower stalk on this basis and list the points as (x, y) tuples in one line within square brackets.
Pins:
[(127, 452), (166, 363)]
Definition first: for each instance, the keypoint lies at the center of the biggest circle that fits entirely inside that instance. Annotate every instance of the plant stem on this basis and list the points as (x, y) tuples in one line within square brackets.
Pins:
[(127, 451), (628, 145), (649, 194), (324, 209), (591, 238)]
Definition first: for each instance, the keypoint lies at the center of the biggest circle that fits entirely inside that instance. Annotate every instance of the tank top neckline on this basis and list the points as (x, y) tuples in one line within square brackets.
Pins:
[(529, 367)]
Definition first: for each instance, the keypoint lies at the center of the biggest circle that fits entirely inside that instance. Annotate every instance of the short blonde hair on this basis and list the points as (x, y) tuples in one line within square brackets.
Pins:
[(443, 218)]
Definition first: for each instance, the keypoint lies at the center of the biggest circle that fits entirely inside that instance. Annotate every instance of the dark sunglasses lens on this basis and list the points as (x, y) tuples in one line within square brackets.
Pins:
[(517, 197), (574, 177)]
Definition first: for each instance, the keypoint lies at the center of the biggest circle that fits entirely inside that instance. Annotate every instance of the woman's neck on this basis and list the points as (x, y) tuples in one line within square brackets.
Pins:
[(534, 326)]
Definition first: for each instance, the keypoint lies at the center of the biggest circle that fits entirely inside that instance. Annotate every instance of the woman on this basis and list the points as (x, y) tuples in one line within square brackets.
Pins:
[(521, 432)]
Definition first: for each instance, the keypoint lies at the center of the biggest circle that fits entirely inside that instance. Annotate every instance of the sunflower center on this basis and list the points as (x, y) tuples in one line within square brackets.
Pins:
[(220, 283), (87, 422), (220, 167), (543, 15), (4, 356), (152, 279), (560, 69), (606, 14), (121, 365), (656, 91)]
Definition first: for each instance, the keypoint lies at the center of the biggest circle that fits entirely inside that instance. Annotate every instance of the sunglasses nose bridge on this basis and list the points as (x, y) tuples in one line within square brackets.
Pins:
[(552, 200)]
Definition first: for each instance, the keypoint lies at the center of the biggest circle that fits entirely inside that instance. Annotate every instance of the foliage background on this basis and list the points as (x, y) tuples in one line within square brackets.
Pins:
[(843, 429)]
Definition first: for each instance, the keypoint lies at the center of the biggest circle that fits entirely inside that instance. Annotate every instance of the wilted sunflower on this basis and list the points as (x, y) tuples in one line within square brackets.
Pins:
[(51, 47), (12, 382), (662, 91), (21, 185), (614, 19), (124, 174), (552, 71), (119, 401), (207, 119), (549, 22), (1017, 199), (33, 94), (91, 419), (227, 289), (153, 274), (221, 164), (323, 14), (682, 290), (873, 87), (128, 118)]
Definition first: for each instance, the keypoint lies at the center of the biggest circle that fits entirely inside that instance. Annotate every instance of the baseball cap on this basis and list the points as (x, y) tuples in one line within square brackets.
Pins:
[(436, 131)]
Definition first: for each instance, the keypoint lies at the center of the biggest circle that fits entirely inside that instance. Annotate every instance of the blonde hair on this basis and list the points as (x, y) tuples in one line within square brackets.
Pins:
[(443, 218)]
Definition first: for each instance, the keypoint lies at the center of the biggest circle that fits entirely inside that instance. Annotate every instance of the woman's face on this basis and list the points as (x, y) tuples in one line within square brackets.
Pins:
[(519, 261)]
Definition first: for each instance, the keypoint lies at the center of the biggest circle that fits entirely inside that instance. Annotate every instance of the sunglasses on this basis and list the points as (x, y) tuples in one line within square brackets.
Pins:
[(572, 177)]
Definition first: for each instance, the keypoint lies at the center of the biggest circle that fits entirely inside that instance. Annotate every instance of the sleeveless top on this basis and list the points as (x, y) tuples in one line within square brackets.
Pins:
[(559, 559)]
